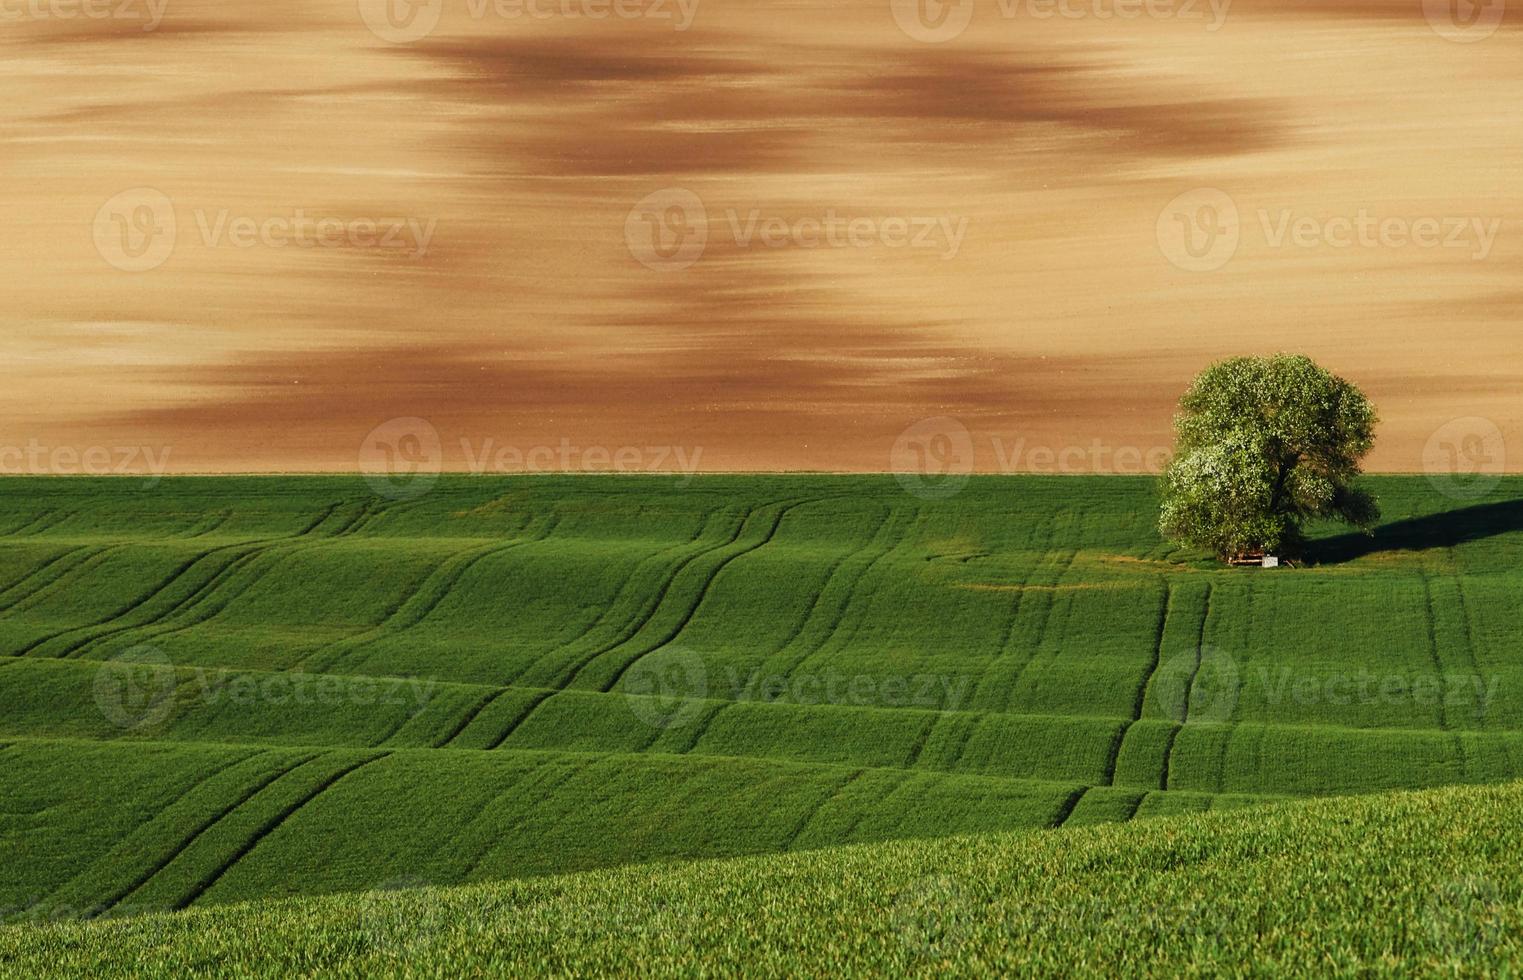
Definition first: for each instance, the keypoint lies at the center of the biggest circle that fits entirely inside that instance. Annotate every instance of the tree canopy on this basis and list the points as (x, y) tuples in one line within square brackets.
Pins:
[(1262, 444)]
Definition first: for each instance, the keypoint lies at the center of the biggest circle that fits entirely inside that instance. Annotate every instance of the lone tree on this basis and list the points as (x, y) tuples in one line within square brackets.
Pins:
[(1262, 444)]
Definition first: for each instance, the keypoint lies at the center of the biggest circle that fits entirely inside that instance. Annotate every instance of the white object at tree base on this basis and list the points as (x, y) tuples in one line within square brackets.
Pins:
[(1271, 561)]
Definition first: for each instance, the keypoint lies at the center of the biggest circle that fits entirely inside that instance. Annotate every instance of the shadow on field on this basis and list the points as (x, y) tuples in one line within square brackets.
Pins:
[(1442, 530)]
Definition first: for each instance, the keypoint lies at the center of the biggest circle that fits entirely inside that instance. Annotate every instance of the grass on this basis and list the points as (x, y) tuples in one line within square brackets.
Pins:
[(224, 690), (1416, 883)]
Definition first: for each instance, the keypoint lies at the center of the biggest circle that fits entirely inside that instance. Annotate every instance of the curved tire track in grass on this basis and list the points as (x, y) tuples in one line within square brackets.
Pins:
[(644, 610), (1166, 600), (1066, 808), (271, 825), (93, 559), (988, 677), (1200, 642), (831, 571), (1438, 660), (692, 609), (558, 780), (226, 587), (567, 674), (1059, 570), (24, 529), (201, 829), (45, 521), (103, 629), (780, 663), (411, 610), (41, 571), (834, 630), (514, 723), (213, 522), (825, 800)]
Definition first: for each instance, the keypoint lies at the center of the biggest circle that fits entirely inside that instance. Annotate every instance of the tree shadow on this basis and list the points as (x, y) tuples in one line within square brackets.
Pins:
[(1441, 530)]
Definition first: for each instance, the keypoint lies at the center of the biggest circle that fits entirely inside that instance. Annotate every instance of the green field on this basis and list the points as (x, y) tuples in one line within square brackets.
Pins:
[(1404, 884), (217, 690)]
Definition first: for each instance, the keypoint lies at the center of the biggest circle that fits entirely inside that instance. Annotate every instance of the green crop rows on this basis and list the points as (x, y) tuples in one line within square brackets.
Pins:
[(216, 690), (1403, 884)]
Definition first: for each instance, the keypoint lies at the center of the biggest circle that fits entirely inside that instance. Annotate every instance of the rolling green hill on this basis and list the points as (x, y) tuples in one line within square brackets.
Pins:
[(216, 690), (1405, 884)]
